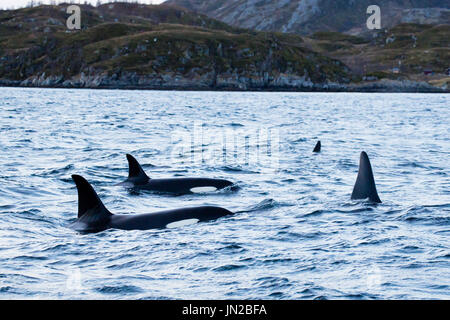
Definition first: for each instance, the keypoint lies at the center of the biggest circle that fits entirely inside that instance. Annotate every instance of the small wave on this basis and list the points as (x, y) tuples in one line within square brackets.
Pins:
[(443, 221), (273, 282), (279, 260), (6, 289), (55, 172), (277, 295), (425, 214), (374, 242), (233, 247), (411, 164), (119, 289), (299, 140), (201, 269), (7, 206), (229, 267), (156, 298), (339, 262), (30, 258), (440, 287), (266, 204), (240, 169), (314, 213), (356, 210), (444, 205), (414, 265), (300, 235), (392, 211), (55, 248), (235, 124)]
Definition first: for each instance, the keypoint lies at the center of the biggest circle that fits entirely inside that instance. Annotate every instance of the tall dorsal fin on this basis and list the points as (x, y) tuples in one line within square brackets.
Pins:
[(135, 171), (365, 183), (88, 201), (318, 146)]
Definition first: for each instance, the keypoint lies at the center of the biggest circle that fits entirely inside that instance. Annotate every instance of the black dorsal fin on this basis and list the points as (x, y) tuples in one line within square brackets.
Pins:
[(365, 183), (135, 171), (318, 146), (88, 201)]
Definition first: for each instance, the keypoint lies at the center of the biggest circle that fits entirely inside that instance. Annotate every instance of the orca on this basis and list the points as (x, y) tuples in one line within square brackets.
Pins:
[(365, 183), (138, 179), (94, 217), (318, 147)]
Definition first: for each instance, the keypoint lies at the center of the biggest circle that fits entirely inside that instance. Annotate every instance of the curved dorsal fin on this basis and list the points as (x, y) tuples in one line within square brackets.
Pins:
[(88, 200), (135, 171), (318, 147), (365, 183)]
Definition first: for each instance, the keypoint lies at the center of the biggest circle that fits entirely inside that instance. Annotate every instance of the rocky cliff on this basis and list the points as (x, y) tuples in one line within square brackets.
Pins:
[(308, 16)]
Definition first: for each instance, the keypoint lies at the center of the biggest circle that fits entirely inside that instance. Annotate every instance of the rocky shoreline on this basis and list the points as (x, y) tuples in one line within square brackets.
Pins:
[(211, 82)]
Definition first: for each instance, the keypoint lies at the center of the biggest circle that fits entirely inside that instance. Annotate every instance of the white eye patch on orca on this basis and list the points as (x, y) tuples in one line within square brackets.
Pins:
[(203, 189), (182, 223)]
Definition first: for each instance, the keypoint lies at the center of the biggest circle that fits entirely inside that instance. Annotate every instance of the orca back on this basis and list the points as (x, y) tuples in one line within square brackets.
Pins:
[(139, 179)]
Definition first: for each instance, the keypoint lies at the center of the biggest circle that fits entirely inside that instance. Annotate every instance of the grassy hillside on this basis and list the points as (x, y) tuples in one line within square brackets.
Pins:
[(412, 48), (149, 40)]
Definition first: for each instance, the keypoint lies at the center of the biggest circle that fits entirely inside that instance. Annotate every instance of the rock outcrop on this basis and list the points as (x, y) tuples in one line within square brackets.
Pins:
[(308, 16)]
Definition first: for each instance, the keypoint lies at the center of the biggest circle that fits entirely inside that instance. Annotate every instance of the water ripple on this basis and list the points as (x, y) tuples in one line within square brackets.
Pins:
[(296, 233)]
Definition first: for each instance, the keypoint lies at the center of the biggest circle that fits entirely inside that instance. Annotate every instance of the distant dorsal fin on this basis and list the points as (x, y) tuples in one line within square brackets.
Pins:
[(318, 146), (365, 183), (91, 210), (135, 171)]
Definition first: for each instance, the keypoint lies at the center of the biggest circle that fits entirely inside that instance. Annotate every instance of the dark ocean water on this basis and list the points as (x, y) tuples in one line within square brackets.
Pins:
[(296, 234)]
